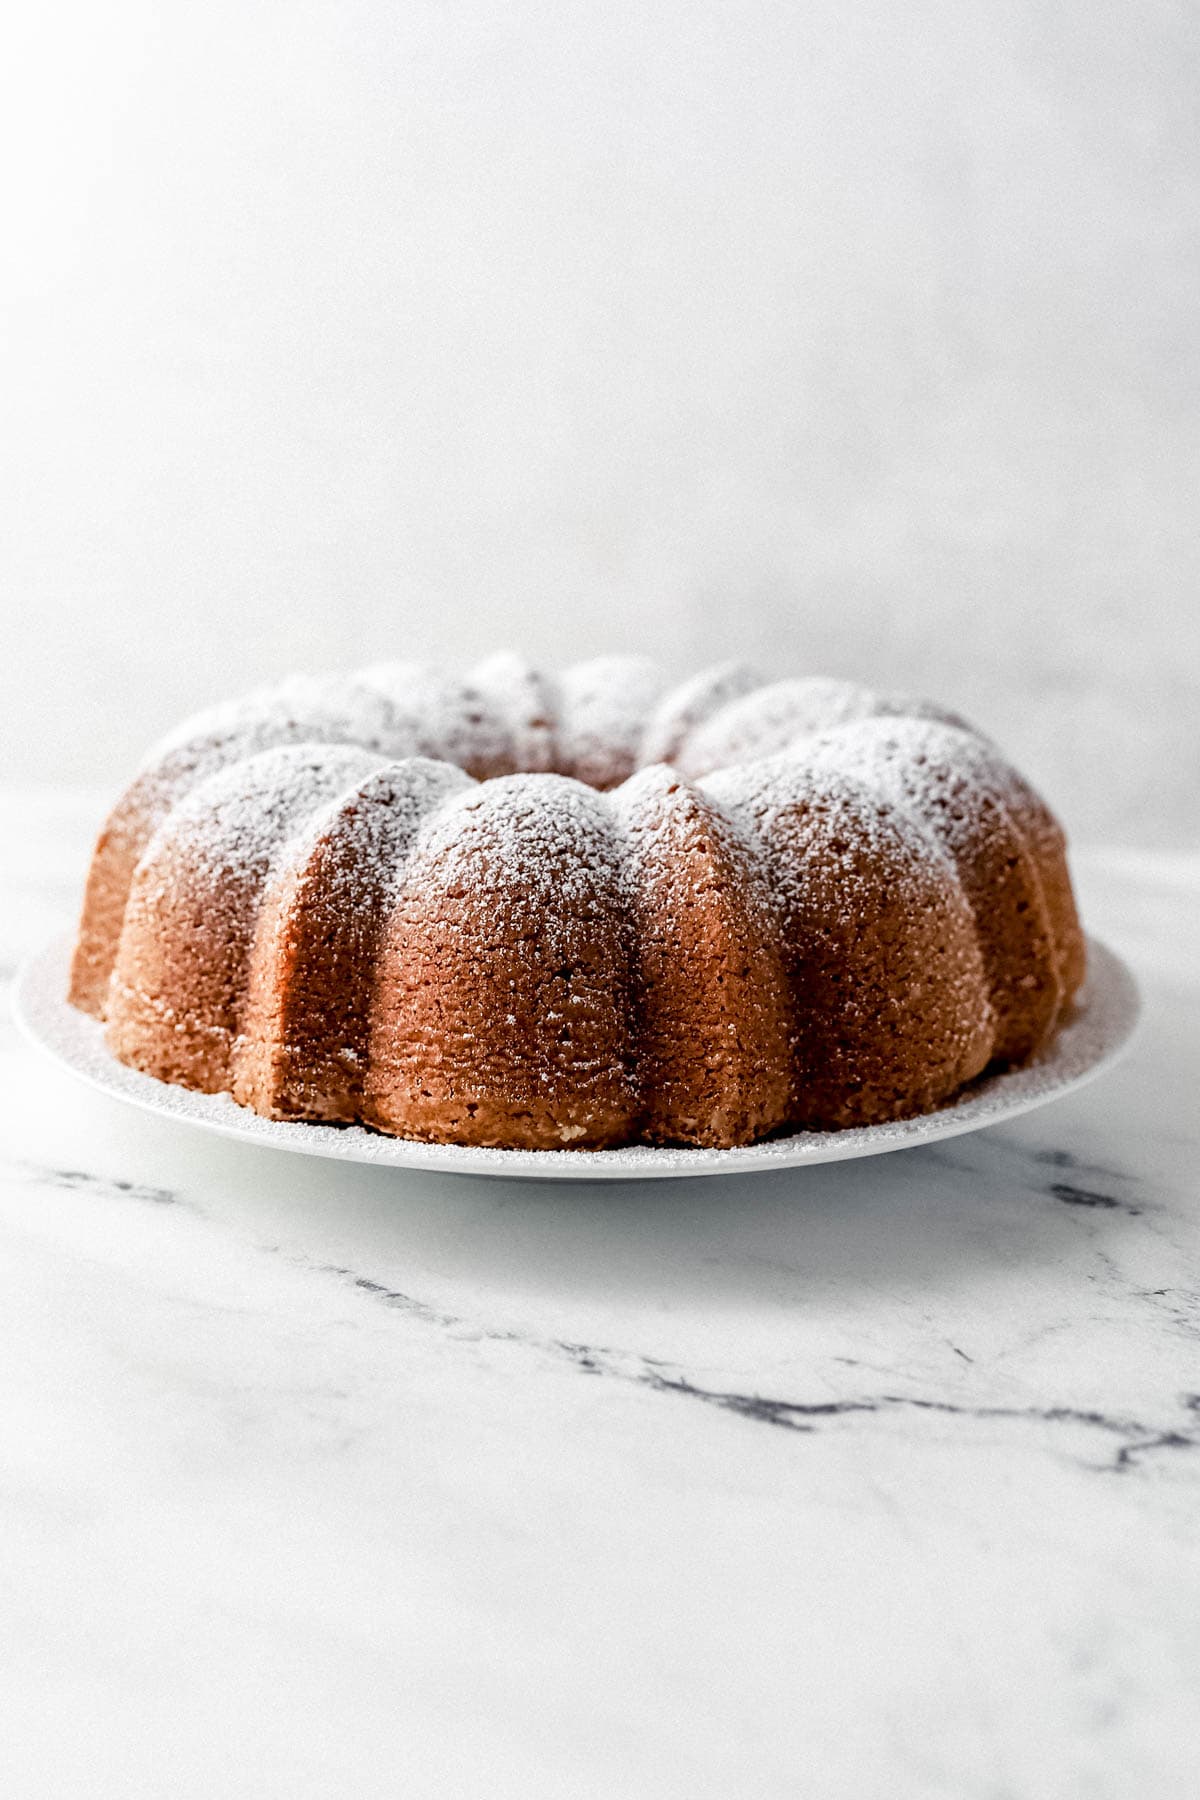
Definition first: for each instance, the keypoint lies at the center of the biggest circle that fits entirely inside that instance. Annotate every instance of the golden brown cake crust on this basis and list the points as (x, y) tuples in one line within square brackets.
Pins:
[(503, 1006), (484, 910), (889, 1007), (959, 791), (709, 986), (176, 1004), (306, 1026)]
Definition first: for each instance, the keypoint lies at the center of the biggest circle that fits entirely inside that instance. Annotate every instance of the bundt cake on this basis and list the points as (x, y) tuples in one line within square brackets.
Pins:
[(580, 910)]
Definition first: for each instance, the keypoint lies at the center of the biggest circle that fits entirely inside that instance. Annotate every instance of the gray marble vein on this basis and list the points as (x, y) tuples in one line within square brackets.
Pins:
[(862, 1480)]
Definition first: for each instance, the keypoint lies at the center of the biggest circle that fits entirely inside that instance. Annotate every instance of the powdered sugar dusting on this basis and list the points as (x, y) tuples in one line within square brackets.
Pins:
[(953, 785), (773, 718), (643, 810), (545, 835), (685, 707), (657, 809), (761, 794), (525, 699), (783, 715), (439, 715), (337, 708), (599, 721), (379, 820), (604, 706), (236, 820), (825, 801)]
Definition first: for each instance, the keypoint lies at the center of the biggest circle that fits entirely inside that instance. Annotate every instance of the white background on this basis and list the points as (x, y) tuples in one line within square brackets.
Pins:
[(857, 338)]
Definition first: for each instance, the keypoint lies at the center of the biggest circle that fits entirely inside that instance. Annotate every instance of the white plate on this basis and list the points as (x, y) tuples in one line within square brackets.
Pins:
[(1090, 1043)]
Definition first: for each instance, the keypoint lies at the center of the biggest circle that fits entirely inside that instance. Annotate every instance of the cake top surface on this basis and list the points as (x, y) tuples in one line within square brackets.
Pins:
[(517, 758)]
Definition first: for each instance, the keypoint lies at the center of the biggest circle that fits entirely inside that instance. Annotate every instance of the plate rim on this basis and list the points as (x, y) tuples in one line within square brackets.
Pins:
[(1110, 1011)]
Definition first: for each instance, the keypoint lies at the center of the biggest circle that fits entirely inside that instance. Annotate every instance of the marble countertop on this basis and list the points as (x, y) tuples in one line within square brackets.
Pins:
[(874, 1479)]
